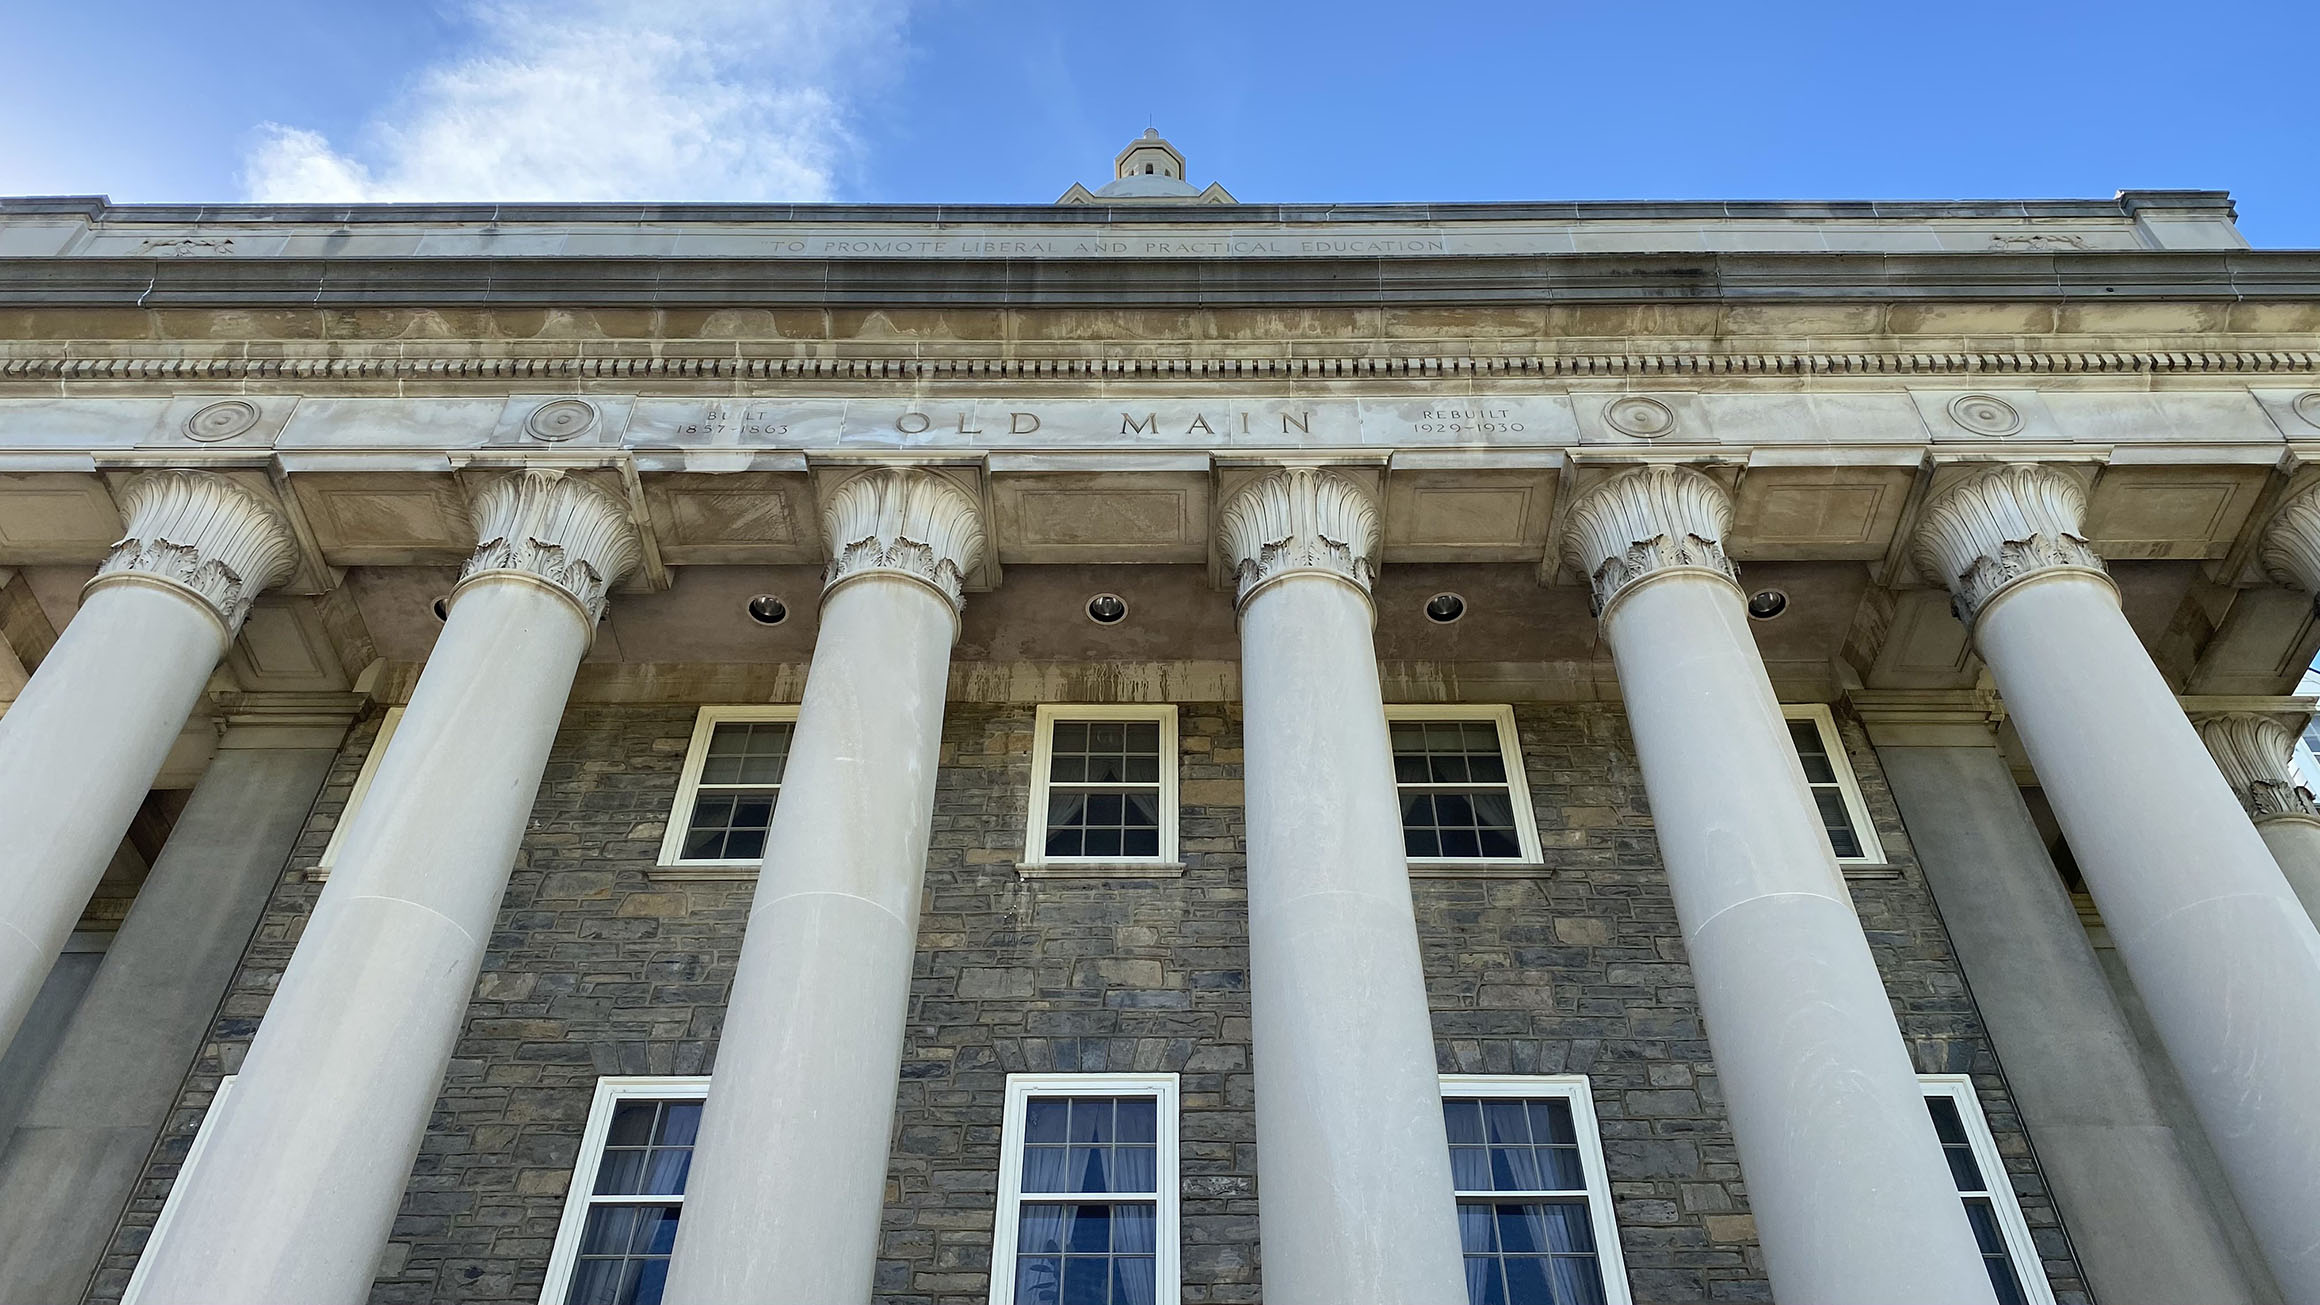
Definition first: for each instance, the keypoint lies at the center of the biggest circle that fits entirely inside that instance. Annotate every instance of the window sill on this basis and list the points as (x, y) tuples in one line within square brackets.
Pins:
[(1446, 869), (1100, 869), (703, 872), (1869, 869)]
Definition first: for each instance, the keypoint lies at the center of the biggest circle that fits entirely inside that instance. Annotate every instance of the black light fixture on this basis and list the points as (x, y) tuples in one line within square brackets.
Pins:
[(765, 609), (442, 608), (1107, 609), (1765, 604), (1442, 609)]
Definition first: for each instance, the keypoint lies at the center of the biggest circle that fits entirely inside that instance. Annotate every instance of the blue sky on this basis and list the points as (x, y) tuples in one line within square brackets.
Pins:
[(924, 100)]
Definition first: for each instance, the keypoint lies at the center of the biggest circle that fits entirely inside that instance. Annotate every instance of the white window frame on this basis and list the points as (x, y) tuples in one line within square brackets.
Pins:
[(135, 1291), (689, 786), (1035, 856), (1833, 743), (610, 1093), (1166, 1235), (362, 789), (1526, 825), (1998, 1185), (1573, 1088)]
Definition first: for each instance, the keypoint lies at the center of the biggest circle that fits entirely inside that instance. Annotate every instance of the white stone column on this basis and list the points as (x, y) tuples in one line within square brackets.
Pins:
[(302, 1174), (2256, 754), (12, 672), (1852, 1198), (811, 1052), (80, 745), (1352, 1161), (2220, 950)]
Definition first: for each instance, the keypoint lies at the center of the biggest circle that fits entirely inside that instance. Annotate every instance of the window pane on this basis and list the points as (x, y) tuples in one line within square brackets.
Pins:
[(1134, 1280), (1091, 1119), (1044, 1119), (1470, 1169), (1144, 737), (1463, 1119), (1134, 1228), (1038, 1280), (1043, 1169), (1506, 1121), (1514, 1169), (1477, 1227), (1136, 1118), (1526, 1281), (632, 1123), (620, 1171), (1133, 1169), (1086, 1280), (609, 1230), (1091, 1229), (665, 1172), (1041, 1232), (1089, 1169), (604, 1282), (1551, 1122), (1578, 1280)]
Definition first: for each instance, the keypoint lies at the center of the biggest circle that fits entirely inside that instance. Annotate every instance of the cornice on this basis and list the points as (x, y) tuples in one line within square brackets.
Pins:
[(86, 367)]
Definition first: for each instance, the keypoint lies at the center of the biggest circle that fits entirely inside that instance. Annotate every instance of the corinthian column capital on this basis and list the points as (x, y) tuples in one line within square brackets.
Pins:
[(904, 522), (1643, 522), (1999, 527), (203, 535), (1299, 520), (2291, 544), (556, 530), (2256, 754)]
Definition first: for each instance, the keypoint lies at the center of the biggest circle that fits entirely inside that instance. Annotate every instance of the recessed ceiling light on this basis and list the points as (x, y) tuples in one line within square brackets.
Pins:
[(1442, 609), (1107, 609), (765, 609), (1765, 604), (442, 608)]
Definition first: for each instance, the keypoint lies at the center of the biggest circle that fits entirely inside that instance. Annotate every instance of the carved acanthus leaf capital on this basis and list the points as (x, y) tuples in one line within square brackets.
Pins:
[(906, 522), (554, 528), (1302, 519), (2001, 526), (1646, 521), (2291, 543), (202, 534), (2256, 754)]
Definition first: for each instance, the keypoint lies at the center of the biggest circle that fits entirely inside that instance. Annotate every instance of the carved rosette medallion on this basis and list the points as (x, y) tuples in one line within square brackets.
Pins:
[(2256, 755), (1999, 527), (1646, 522), (2291, 545), (556, 529), (221, 421), (1300, 521), (559, 420), (904, 522), (1985, 414), (203, 535), (1640, 416)]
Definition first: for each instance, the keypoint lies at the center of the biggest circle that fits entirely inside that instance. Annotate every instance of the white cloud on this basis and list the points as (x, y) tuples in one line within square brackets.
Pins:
[(610, 100)]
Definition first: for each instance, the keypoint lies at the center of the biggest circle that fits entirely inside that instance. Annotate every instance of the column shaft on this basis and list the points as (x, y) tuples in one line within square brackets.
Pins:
[(76, 1155), (78, 751), (2224, 956), (1852, 1198), (2137, 1213), (1352, 1159), (2295, 844), (305, 1166), (811, 1055)]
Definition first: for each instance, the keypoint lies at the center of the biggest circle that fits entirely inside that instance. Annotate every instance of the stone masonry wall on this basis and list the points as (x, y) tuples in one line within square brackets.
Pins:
[(598, 969)]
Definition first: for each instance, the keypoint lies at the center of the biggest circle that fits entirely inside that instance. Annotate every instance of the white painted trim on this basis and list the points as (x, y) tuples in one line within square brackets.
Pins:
[(361, 790), (1166, 1238), (1526, 825), (135, 1291), (1035, 858), (689, 783), (2021, 1247), (610, 1092), (1574, 1089), (1857, 810)]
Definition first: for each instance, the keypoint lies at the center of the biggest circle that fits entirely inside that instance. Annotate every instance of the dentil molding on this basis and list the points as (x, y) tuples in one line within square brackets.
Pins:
[(1646, 521), (554, 528), (1999, 527), (2256, 755), (901, 521), (1299, 520), (203, 535)]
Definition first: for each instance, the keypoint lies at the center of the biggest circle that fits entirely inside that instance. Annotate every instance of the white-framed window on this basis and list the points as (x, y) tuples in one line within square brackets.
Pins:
[(1534, 1198), (1835, 792), (1087, 1191), (135, 1291), (1103, 786), (731, 780), (1459, 776), (628, 1190), (2007, 1249), (361, 789)]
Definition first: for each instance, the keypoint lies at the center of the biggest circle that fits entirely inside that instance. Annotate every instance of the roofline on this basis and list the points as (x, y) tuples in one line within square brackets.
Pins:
[(442, 282), (2125, 204)]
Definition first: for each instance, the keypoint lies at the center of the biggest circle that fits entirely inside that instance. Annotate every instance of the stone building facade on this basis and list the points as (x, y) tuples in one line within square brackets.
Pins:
[(1157, 749)]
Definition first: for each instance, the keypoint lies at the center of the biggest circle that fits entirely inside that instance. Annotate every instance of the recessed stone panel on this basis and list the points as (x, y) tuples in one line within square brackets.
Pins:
[(385, 519), (733, 518), (1054, 517), (1818, 513), (55, 517), (1480, 514), (2171, 512)]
